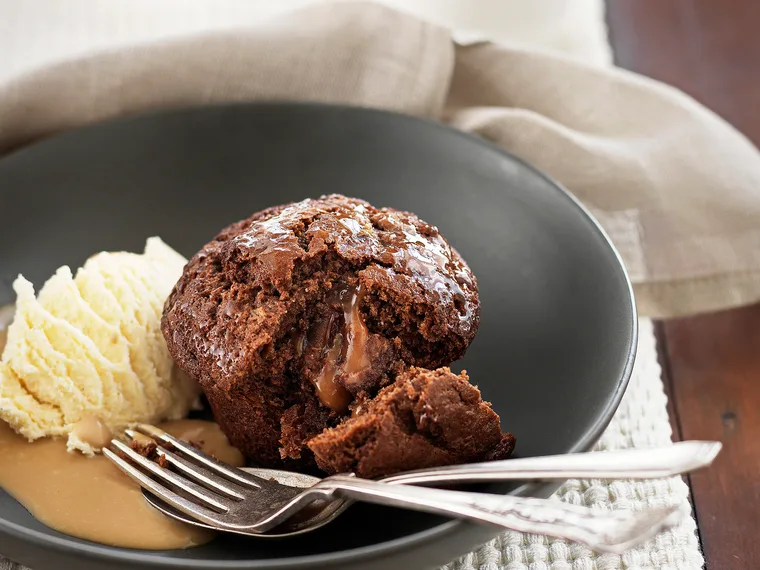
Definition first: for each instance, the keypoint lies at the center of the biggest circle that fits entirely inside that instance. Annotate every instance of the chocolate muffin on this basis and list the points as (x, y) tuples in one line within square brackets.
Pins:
[(425, 419), (288, 318)]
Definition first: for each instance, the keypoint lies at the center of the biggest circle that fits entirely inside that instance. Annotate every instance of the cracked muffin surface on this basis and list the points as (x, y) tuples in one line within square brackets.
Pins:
[(289, 318)]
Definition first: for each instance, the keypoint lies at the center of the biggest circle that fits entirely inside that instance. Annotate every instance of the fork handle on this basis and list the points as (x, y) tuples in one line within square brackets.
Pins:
[(675, 459), (612, 531)]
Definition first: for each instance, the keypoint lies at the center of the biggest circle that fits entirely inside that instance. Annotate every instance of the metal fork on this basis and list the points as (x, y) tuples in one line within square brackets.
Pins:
[(232, 500)]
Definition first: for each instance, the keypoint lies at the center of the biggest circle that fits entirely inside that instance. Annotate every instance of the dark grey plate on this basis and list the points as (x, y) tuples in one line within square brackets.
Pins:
[(557, 337)]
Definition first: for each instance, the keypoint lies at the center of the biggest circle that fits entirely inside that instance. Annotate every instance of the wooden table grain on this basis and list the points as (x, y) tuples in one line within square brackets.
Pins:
[(711, 50)]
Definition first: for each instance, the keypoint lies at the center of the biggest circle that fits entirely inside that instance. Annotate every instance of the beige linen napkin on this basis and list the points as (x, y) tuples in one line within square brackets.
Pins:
[(676, 187)]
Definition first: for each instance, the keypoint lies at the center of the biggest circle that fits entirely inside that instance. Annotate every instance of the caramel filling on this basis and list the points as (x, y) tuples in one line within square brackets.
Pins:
[(347, 354), (332, 394), (355, 358)]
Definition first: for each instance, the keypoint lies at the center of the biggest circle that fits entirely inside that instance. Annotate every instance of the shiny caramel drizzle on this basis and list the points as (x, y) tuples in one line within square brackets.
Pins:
[(92, 431), (346, 354), (355, 358)]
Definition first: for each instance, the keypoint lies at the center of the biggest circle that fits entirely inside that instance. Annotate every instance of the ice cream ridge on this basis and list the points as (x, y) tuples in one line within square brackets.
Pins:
[(90, 346)]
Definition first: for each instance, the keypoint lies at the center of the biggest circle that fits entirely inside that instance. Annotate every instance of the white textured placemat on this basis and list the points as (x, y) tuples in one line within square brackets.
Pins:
[(641, 421)]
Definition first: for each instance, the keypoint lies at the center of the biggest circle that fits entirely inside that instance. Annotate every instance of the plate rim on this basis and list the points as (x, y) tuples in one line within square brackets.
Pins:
[(449, 529)]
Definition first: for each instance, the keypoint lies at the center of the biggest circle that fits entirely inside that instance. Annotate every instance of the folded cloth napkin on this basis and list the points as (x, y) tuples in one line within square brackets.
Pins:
[(674, 185)]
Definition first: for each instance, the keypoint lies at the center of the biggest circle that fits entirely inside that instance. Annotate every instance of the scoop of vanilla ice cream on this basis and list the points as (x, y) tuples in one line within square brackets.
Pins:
[(90, 345)]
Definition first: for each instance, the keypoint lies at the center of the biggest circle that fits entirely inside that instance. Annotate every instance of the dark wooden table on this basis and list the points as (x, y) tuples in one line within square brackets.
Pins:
[(711, 50)]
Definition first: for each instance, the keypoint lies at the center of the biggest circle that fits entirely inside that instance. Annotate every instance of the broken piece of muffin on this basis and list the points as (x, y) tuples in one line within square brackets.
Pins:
[(290, 318), (425, 419)]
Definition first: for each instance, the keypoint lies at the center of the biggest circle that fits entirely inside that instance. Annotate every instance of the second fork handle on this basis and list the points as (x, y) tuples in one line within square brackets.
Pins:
[(675, 459), (613, 531)]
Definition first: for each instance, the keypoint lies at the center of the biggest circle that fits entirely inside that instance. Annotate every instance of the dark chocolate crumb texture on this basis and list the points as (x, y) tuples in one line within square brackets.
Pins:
[(426, 418), (293, 317)]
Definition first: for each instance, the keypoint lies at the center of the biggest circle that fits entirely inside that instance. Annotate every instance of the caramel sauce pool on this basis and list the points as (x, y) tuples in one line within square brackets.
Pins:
[(90, 498)]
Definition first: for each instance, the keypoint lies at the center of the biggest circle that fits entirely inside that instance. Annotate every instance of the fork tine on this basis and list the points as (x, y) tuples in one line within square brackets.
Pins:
[(191, 509), (236, 475), (200, 493), (196, 472)]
